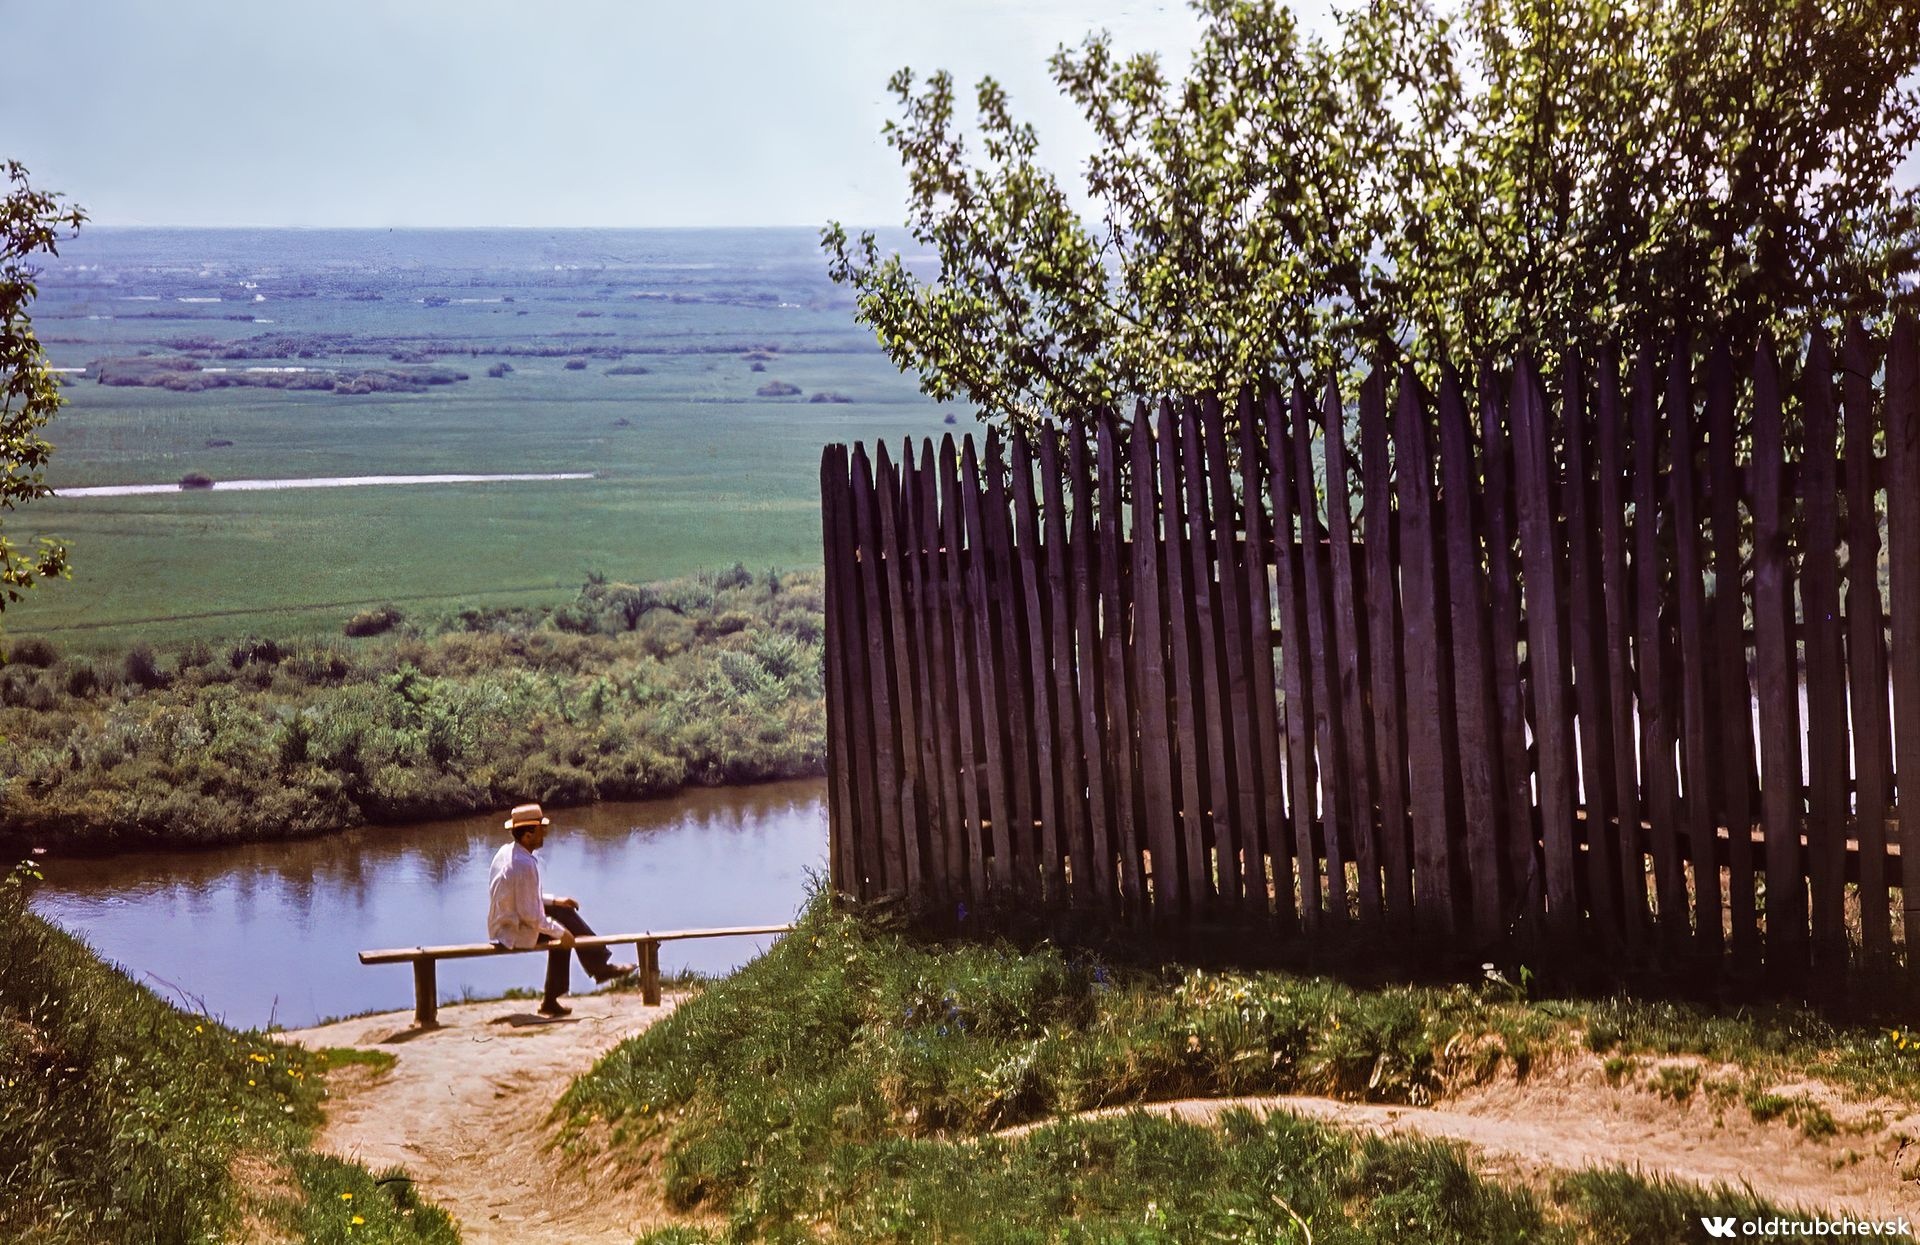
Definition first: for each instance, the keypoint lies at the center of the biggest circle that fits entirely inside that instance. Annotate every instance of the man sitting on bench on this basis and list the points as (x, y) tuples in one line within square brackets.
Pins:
[(520, 916)]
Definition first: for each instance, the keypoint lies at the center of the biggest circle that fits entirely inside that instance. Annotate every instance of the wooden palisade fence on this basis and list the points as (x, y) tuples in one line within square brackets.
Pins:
[(1528, 661)]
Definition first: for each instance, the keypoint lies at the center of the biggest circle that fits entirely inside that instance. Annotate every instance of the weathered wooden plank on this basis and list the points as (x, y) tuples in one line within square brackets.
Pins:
[(1733, 697), (1657, 731), (842, 818), (1826, 689), (1617, 593), (1123, 763), (960, 646), (1329, 735), (1271, 851), (1383, 652), (1035, 599), (1075, 836), (1183, 664), (1866, 650), (869, 877), (943, 815), (1903, 604), (1350, 662), (1695, 716), (1294, 677), (1239, 863), (891, 569), (1586, 626), (1010, 667), (879, 679), (1206, 619), (1476, 715), (1777, 671), (869, 869), (1521, 857), (1092, 698), (1553, 733), (1430, 774), (986, 673), (1158, 802)]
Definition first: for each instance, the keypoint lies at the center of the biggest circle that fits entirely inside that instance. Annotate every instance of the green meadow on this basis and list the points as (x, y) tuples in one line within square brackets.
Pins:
[(692, 468)]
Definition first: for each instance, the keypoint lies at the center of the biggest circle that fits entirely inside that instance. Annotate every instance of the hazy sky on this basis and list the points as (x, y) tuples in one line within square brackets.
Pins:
[(483, 112)]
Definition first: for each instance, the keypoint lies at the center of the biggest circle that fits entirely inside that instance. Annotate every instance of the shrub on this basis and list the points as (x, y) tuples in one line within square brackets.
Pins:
[(81, 677), (549, 781), (735, 576), (255, 651), (321, 666), (293, 741), (730, 623), (32, 650), (141, 669), (376, 621)]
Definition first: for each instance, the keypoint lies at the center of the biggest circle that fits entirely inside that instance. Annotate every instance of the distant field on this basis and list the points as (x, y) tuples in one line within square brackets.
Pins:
[(693, 469)]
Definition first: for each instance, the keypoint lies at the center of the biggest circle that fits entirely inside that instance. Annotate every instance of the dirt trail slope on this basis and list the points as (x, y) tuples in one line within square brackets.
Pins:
[(464, 1111), (1571, 1117)]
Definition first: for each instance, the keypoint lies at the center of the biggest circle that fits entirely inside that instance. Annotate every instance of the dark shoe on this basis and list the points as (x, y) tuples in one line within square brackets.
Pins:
[(616, 972), (553, 1007)]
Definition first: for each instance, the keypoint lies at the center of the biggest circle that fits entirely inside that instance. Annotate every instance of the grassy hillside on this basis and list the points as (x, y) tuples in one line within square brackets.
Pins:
[(124, 1121), (627, 691), (872, 1110)]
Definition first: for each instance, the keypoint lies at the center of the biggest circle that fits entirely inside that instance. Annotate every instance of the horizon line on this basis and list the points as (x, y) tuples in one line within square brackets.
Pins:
[(93, 224)]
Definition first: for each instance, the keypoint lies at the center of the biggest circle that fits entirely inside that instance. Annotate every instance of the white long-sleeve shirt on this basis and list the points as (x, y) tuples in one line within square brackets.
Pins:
[(516, 908)]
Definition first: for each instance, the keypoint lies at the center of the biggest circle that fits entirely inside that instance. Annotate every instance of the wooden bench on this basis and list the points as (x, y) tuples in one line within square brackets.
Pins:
[(426, 999)]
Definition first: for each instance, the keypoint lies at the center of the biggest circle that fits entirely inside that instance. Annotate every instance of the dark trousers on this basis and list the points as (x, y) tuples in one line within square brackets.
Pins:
[(594, 959)]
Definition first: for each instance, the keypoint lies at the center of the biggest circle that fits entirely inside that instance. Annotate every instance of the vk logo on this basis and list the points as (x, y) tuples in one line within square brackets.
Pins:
[(1719, 1226)]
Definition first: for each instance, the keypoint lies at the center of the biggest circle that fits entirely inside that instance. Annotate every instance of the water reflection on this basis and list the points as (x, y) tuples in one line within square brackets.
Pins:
[(269, 931)]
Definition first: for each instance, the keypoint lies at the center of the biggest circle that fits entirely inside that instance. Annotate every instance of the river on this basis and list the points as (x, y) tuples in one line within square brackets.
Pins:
[(267, 933)]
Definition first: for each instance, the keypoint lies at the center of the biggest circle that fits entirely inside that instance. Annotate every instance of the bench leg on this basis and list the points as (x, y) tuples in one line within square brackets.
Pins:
[(426, 998), (649, 973)]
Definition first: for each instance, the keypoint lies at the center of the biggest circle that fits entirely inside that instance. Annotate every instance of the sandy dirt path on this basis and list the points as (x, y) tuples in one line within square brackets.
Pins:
[(464, 1111), (1570, 1117)]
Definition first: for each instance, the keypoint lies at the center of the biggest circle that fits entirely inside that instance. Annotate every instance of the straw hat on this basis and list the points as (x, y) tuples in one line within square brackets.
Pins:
[(527, 815)]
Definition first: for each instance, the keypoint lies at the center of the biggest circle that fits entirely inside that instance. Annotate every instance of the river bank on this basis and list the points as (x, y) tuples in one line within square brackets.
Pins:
[(631, 691)]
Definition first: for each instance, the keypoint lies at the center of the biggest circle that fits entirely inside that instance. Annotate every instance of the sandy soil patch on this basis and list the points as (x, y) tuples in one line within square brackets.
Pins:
[(464, 1111)]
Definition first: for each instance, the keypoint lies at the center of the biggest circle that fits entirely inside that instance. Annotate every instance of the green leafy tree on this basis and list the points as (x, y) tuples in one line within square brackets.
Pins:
[(1521, 174), (32, 222)]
